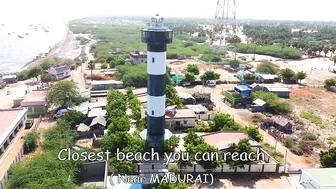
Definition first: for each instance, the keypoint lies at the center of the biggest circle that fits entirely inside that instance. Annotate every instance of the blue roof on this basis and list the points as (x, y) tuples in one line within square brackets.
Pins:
[(242, 88)]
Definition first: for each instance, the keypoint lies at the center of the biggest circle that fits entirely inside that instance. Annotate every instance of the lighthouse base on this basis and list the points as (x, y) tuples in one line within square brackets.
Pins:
[(155, 141)]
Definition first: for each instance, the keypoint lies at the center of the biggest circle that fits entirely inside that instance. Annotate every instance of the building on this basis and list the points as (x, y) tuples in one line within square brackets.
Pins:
[(201, 112), (60, 71), (243, 90), (10, 126), (106, 85), (156, 37), (258, 105), (223, 139), (239, 97), (138, 57), (283, 125), (35, 103), (187, 98), (96, 112), (321, 178), (9, 79), (180, 118), (282, 92), (268, 78), (255, 87)]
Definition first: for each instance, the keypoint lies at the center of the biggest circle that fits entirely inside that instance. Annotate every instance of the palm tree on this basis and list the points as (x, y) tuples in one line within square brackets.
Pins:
[(91, 66)]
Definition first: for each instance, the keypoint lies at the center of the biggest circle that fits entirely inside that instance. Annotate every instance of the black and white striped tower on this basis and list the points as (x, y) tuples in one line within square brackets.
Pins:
[(157, 37)]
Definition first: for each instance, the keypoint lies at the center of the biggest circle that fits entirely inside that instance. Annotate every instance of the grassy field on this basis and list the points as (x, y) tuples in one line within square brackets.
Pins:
[(128, 38), (273, 50)]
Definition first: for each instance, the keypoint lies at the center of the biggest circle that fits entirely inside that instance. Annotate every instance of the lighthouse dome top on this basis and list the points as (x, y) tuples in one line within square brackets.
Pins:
[(157, 19), (157, 23)]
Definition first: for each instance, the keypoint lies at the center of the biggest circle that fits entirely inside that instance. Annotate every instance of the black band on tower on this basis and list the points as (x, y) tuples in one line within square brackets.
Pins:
[(157, 125), (156, 47), (156, 85)]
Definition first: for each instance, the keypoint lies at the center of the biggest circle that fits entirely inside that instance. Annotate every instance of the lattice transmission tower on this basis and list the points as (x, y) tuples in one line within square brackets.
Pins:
[(225, 26)]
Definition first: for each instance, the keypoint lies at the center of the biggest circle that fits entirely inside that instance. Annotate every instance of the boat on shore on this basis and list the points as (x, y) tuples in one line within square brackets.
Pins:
[(45, 29), (20, 36)]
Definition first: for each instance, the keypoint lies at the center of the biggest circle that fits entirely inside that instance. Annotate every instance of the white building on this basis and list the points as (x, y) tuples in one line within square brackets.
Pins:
[(322, 178), (138, 57), (60, 71), (180, 118), (201, 112)]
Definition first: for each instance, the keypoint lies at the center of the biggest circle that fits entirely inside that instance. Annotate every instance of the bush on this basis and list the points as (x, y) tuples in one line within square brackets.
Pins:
[(289, 143), (253, 132), (30, 141), (274, 104), (193, 68), (74, 117), (317, 120), (266, 68), (330, 82)]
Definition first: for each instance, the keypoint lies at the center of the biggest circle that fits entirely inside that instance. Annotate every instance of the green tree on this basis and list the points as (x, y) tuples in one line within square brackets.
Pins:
[(266, 68), (253, 132), (326, 50), (30, 141), (47, 78), (274, 104), (189, 77), (172, 97), (328, 158), (74, 117), (34, 72), (104, 65), (332, 50), (223, 122), (170, 144), (120, 124), (122, 167), (64, 93), (249, 77), (193, 68), (301, 75), (202, 149), (287, 74), (91, 66), (243, 147), (210, 75), (114, 141), (330, 82)]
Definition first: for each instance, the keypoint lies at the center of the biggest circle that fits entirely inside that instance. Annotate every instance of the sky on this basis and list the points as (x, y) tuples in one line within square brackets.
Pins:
[(253, 9)]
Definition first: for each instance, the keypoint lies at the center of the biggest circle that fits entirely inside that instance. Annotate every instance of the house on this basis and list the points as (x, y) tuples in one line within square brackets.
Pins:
[(187, 98), (255, 87), (95, 112), (138, 57), (223, 139), (243, 90), (97, 127), (321, 178), (258, 105), (9, 78), (12, 120), (179, 118), (35, 103), (201, 112), (60, 71), (282, 92), (204, 99), (283, 125), (268, 78)]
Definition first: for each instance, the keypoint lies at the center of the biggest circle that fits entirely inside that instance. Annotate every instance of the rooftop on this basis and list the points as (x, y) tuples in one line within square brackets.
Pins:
[(242, 88), (278, 89), (35, 98), (222, 139), (197, 108), (105, 82), (268, 76), (12, 117), (325, 176), (95, 112), (185, 95), (259, 102), (180, 113)]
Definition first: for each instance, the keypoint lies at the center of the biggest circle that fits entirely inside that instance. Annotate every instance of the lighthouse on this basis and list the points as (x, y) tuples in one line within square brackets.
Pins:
[(156, 36)]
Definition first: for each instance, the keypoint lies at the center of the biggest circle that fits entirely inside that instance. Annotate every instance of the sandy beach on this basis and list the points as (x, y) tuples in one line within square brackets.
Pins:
[(68, 47)]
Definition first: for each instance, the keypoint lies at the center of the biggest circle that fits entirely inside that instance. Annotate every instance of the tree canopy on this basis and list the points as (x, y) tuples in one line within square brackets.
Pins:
[(189, 77), (172, 97), (210, 75), (242, 147), (328, 158), (266, 68), (193, 68), (274, 103), (301, 75), (253, 132), (223, 122), (287, 74), (64, 93)]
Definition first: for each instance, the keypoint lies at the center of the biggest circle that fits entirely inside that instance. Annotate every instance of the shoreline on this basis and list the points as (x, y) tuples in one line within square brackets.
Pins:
[(53, 52)]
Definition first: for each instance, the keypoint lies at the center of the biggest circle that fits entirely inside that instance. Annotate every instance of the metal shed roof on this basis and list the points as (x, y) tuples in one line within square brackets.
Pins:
[(242, 88)]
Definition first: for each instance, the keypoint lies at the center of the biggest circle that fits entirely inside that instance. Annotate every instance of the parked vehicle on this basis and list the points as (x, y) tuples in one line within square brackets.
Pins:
[(60, 113), (212, 83), (185, 84), (29, 123)]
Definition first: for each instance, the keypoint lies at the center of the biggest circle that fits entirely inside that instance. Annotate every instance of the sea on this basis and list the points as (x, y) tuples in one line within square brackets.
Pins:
[(21, 40)]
